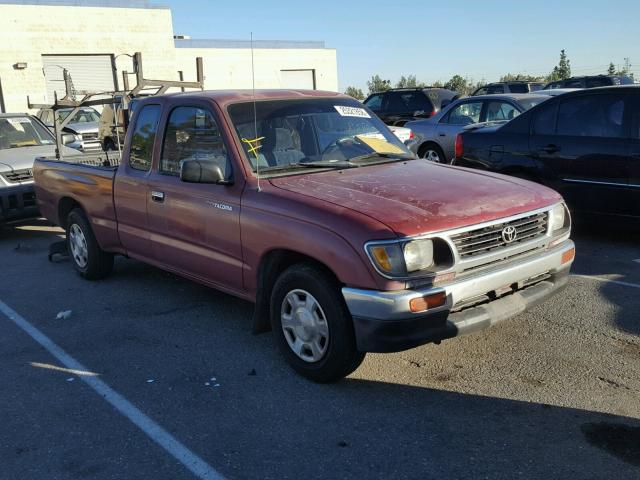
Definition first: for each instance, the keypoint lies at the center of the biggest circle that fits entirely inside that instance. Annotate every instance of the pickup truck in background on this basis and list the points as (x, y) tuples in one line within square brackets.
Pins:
[(304, 203)]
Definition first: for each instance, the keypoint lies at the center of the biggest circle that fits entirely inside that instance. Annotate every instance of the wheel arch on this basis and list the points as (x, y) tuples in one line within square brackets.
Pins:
[(65, 206), (271, 266)]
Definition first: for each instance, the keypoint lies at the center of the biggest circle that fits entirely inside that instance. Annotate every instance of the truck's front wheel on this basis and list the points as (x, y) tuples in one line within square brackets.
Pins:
[(89, 260), (312, 325)]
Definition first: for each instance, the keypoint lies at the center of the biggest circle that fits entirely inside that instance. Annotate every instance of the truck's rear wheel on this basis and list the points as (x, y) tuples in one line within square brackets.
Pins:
[(89, 260), (312, 325)]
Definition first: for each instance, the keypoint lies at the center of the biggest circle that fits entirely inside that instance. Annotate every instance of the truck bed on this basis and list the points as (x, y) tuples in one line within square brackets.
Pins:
[(79, 181)]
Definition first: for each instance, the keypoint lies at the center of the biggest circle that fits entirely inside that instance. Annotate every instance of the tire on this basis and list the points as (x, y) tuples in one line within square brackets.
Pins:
[(89, 260), (108, 145), (323, 362), (432, 153)]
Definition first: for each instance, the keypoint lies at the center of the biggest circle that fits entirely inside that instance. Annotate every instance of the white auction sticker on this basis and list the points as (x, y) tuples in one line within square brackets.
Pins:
[(351, 111)]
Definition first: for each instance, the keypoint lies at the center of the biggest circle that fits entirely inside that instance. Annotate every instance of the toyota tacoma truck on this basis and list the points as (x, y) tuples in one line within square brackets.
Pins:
[(304, 203)]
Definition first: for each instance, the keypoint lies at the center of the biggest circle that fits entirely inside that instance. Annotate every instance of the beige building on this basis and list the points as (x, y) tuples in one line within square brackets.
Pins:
[(94, 43)]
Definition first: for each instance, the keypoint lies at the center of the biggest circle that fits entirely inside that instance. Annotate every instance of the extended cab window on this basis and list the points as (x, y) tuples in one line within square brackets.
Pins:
[(143, 138), (192, 134), (592, 116)]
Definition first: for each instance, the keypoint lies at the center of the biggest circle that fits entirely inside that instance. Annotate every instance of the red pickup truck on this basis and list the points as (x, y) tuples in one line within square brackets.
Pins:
[(306, 204)]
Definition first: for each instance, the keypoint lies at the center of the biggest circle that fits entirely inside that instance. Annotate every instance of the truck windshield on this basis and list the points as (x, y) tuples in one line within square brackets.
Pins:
[(316, 132), (16, 132), (86, 115)]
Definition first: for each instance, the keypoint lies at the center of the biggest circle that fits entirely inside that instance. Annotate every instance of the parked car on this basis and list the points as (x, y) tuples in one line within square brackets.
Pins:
[(585, 144), (590, 81), (435, 137), (84, 126), (22, 138), (554, 92), (401, 105), (515, 86), (306, 204), (403, 134)]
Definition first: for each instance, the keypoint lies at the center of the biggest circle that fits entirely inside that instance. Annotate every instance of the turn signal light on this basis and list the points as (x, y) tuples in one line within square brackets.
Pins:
[(568, 256), (434, 300)]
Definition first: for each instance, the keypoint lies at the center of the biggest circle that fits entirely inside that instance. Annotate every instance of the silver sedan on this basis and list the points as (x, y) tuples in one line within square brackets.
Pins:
[(436, 136)]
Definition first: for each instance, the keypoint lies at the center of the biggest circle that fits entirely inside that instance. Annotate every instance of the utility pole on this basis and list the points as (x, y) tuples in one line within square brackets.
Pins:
[(627, 65)]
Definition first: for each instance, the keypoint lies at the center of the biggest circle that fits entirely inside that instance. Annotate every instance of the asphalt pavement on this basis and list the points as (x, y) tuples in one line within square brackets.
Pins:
[(553, 393)]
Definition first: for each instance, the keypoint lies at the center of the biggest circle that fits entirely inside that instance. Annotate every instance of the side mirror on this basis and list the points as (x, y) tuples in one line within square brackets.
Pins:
[(68, 138), (201, 171)]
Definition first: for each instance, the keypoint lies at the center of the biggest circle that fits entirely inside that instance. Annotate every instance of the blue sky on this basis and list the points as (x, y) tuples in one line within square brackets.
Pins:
[(432, 40)]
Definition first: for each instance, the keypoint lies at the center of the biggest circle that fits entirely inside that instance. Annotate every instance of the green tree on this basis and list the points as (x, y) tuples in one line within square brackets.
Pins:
[(462, 86), (562, 70), (510, 77), (409, 82), (377, 84), (437, 84), (355, 93), (612, 69)]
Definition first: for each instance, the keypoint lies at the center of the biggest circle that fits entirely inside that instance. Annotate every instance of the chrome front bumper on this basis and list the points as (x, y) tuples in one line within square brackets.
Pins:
[(384, 322)]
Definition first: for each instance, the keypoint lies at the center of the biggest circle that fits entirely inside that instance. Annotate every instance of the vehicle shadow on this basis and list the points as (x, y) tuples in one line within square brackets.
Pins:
[(612, 254)]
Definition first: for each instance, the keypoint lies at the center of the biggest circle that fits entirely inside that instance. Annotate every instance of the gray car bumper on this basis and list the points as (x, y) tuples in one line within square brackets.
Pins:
[(18, 202), (383, 321)]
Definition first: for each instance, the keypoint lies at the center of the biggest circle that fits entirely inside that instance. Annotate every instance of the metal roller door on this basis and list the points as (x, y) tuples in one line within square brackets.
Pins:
[(298, 79), (88, 72)]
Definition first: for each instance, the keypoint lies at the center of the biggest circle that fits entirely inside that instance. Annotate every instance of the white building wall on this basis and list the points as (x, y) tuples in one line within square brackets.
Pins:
[(230, 68), (29, 31)]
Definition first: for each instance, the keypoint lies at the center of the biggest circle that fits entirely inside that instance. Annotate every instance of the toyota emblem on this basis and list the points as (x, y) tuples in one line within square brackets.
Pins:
[(509, 234)]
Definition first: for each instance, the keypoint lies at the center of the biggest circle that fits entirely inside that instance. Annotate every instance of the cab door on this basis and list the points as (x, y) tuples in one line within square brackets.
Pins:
[(634, 157), (586, 148), (195, 227)]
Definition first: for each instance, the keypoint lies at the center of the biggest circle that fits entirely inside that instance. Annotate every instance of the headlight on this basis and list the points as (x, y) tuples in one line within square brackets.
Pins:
[(557, 217), (418, 255), (400, 259)]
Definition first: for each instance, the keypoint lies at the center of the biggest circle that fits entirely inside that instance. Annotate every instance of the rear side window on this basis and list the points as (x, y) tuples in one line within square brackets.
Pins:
[(408, 102), (519, 88), (592, 116), (144, 137), (374, 102), (499, 111), (192, 134), (544, 120), (465, 114)]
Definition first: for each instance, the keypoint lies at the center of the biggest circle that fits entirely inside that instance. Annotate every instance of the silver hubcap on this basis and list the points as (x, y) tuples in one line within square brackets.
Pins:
[(78, 245), (304, 325), (432, 156)]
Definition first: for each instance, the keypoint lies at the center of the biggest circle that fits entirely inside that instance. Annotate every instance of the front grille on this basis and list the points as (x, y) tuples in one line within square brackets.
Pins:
[(490, 239), (17, 176), (90, 136)]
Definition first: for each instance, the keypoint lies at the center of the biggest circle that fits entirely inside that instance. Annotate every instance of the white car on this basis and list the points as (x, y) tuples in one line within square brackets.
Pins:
[(402, 133)]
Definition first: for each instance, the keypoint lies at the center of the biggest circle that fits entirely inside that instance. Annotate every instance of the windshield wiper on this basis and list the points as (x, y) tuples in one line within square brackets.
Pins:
[(327, 164), (390, 156)]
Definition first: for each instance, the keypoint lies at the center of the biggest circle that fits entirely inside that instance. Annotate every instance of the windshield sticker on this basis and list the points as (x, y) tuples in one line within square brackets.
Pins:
[(351, 111), (254, 145), (378, 145)]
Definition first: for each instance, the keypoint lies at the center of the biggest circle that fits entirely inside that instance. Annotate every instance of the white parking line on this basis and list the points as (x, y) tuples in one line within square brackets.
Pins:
[(154, 431), (607, 280)]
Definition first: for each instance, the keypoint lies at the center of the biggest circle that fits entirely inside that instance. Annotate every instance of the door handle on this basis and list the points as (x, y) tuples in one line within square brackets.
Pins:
[(550, 149), (157, 196), (442, 134)]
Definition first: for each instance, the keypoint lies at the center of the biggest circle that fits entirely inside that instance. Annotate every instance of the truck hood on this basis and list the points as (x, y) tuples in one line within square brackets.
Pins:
[(23, 157), (418, 197), (87, 127)]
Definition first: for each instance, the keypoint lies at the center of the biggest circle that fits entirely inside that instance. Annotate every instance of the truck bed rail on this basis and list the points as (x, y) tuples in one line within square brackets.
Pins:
[(101, 159)]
